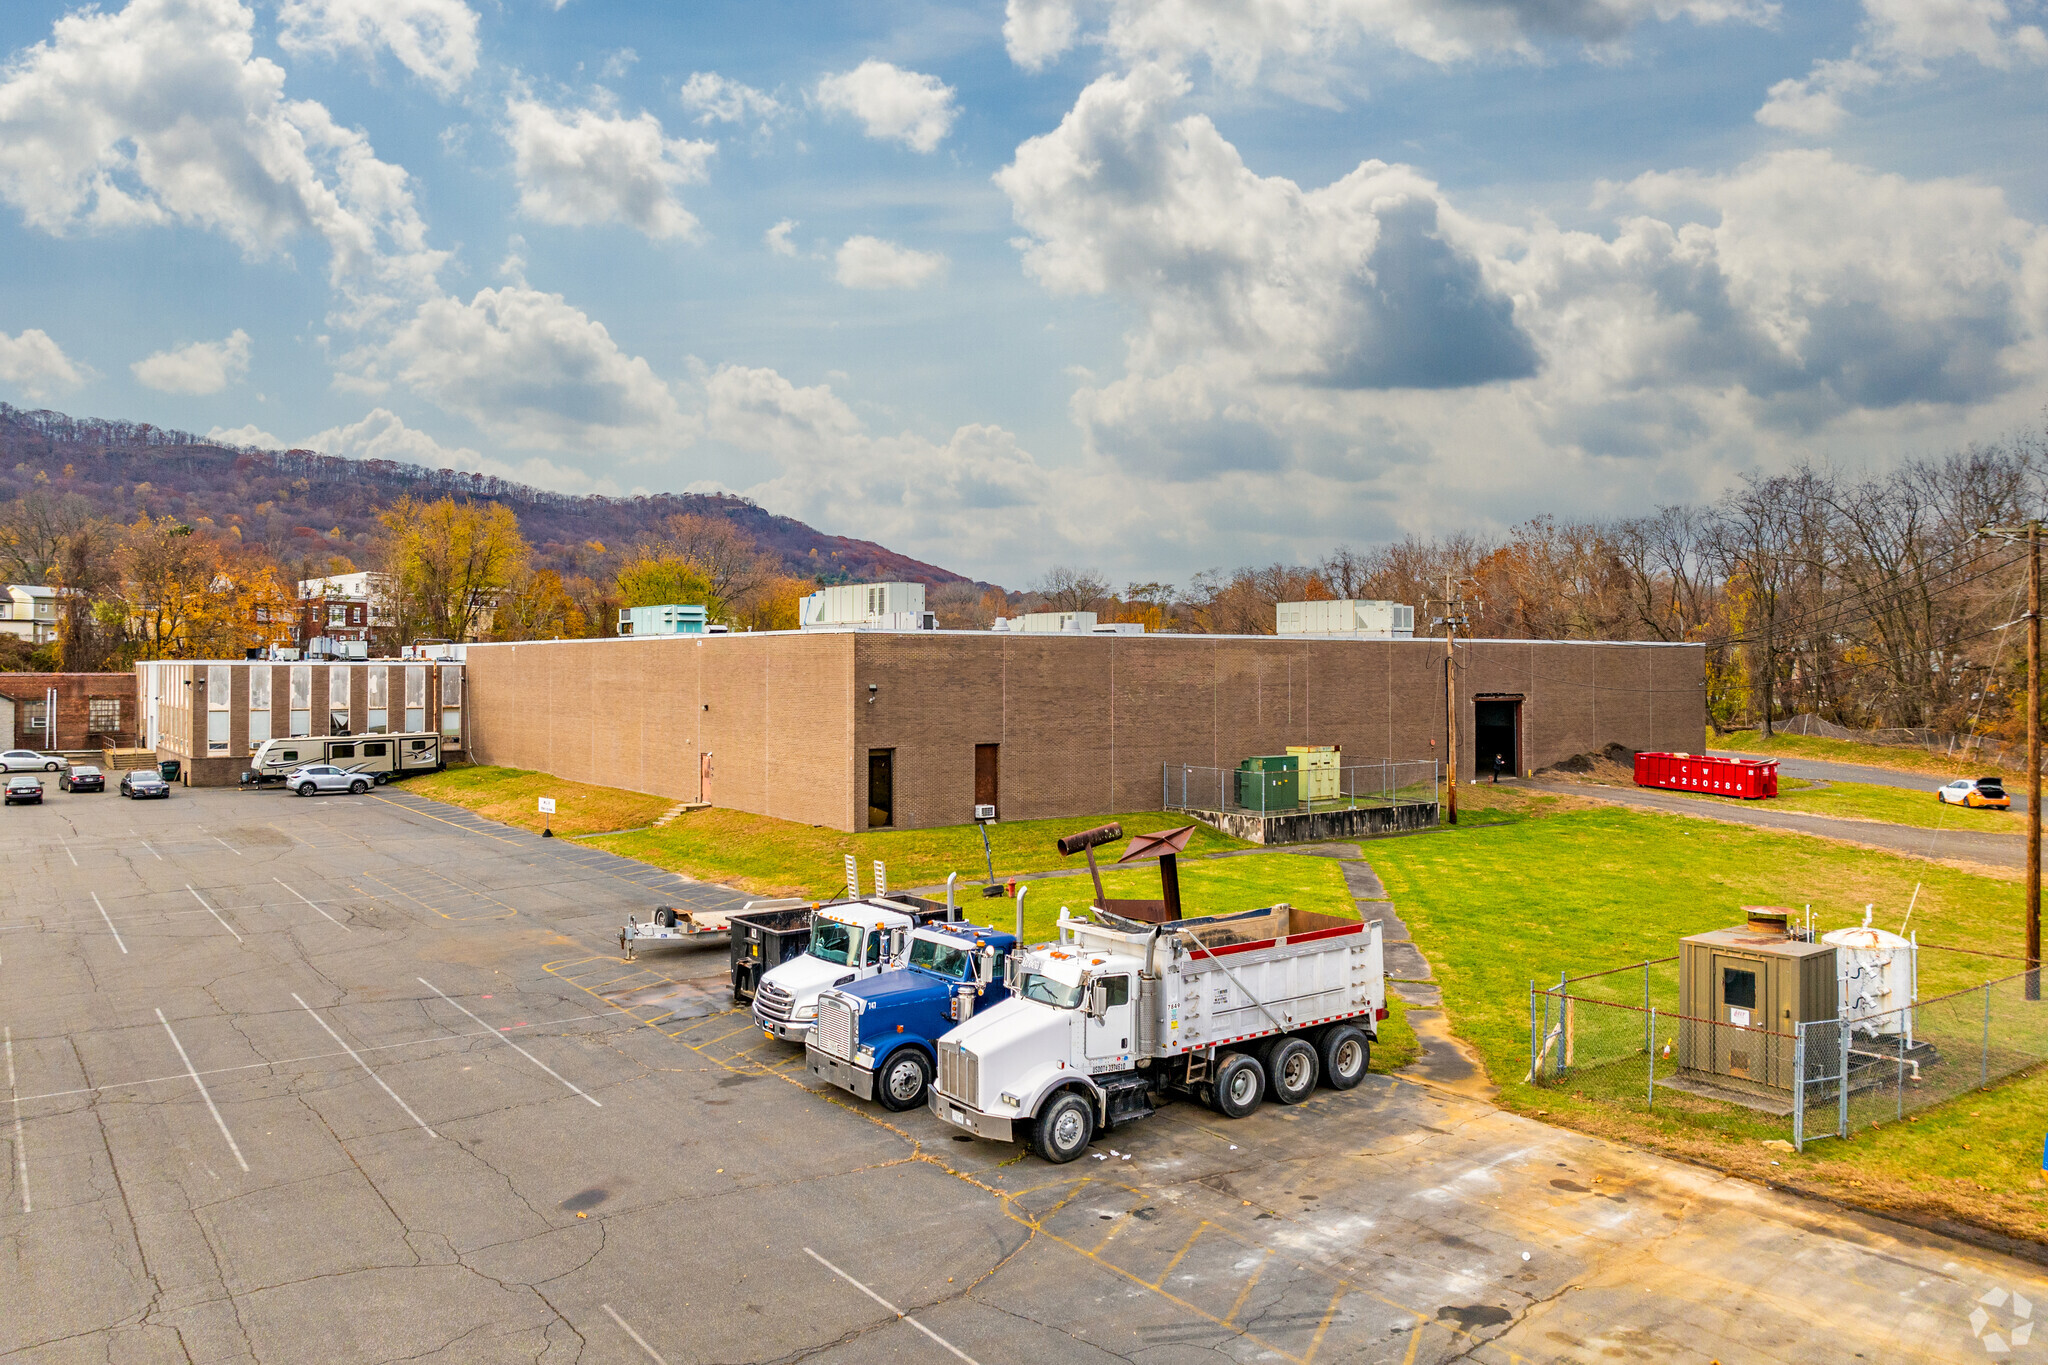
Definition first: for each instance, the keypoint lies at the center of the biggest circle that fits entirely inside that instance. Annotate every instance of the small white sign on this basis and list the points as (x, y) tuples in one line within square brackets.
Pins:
[(547, 807), (1738, 1017)]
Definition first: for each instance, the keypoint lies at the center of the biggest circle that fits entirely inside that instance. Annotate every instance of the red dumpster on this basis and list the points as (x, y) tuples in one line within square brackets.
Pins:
[(1751, 779)]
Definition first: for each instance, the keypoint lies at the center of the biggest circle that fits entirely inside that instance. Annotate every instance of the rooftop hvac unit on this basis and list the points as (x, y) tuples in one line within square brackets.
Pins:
[(874, 605), (1347, 616)]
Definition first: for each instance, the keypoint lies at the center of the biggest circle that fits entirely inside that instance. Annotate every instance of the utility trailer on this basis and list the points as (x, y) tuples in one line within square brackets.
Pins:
[(674, 924), (1119, 1016), (766, 934)]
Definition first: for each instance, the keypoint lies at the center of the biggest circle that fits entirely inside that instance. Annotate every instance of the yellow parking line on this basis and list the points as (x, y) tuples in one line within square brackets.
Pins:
[(1246, 1293), (1329, 1314), (1186, 1247)]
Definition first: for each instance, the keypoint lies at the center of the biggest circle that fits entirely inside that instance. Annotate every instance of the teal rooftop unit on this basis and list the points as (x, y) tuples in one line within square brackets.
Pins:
[(663, 620)]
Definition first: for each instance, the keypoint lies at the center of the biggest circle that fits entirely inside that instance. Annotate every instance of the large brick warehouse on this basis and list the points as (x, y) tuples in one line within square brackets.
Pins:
[(797, 726)]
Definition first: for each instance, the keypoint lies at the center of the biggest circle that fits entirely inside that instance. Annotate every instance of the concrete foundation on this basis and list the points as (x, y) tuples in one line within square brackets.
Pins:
[(1357, 822)]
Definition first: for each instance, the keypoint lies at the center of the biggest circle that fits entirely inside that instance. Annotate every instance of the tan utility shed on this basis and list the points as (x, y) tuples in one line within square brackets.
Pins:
[(1740, 994)]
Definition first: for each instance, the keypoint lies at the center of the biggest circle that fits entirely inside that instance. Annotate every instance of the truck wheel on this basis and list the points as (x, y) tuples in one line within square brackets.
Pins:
[(903, 1079), (1346, 1055), (1291, 1071), (1240, 1085), (1064, 1128)]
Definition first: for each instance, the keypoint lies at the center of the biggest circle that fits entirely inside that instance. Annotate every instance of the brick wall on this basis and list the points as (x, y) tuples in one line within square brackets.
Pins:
[(1086, 725), (75, 693)]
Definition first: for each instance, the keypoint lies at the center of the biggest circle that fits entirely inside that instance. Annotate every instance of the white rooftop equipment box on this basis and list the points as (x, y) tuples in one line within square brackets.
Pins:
[(1373, 620), (867, 606)]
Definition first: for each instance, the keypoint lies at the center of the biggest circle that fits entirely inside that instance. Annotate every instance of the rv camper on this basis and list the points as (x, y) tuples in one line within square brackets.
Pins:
[(381, 757)]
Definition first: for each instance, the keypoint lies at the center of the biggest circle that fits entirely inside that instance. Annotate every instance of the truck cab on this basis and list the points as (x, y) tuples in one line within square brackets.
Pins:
[(850, 941), (878, 1038)]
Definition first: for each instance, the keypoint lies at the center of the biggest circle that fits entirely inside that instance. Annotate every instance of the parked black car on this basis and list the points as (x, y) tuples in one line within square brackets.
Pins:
[(142, 782), (83, 779), (24, 789)]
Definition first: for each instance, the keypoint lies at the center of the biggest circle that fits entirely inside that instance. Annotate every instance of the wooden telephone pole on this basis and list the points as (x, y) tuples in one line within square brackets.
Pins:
[(2032, 533), (1456, 616)]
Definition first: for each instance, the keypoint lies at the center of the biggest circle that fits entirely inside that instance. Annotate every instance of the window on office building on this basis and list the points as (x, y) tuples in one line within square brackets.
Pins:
[(259, 705), (103, 715)]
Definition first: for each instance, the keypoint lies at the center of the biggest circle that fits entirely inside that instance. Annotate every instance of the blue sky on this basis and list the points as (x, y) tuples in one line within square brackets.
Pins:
[(1143, 285)]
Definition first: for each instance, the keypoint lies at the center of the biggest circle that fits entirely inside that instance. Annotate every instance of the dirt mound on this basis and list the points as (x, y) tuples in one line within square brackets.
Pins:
[(1615, 763)]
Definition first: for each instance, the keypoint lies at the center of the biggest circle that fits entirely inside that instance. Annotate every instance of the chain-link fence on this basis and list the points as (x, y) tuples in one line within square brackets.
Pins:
[(1234, 790), (1619, 1037)]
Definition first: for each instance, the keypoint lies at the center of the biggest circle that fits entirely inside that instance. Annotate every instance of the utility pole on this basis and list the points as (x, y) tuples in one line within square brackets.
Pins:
[(2032, 532), (1455, 615)]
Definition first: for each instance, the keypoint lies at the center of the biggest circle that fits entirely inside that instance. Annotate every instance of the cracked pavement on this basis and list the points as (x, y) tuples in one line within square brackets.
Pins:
[(512, 1142)]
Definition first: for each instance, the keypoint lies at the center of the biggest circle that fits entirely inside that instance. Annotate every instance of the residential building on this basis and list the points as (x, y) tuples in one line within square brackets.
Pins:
[(29, 610)]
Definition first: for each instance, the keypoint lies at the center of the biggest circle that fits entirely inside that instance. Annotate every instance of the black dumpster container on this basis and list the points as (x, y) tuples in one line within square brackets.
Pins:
[(762, 941)]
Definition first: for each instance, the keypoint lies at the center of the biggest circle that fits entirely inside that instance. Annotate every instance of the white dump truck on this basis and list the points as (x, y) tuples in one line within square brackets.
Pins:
[(1120, 1015), (850, 941)]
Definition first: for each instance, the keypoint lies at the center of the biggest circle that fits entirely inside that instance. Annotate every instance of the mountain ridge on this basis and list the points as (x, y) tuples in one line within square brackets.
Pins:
[(301, 503)]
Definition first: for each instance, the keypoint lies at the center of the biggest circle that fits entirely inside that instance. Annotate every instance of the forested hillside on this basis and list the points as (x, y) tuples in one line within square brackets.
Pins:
[(302, 506)]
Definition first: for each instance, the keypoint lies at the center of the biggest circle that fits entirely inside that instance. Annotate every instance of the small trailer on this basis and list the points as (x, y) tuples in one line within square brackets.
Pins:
[(1120, 1015), (674, 924)]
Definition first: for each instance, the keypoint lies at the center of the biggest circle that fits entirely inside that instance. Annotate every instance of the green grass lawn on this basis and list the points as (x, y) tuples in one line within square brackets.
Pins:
[(1901, 759), (509, 795), (781, 858), (1498, 905)]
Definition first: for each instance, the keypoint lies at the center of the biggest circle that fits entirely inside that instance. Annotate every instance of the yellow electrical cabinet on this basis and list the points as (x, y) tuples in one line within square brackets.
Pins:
[(1322, 777)]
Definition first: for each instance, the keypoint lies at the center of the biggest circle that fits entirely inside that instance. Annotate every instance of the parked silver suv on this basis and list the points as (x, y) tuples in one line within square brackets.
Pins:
[(325, 777)]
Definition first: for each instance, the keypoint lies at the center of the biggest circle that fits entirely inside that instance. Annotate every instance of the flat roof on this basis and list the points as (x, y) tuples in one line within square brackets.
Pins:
[(1431, 640)]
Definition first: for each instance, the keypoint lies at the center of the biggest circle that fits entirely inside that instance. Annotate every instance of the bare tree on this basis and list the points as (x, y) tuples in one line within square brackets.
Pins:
[(1065, 588)]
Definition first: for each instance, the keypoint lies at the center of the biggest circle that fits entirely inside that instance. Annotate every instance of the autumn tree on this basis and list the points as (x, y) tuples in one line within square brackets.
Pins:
[(540, 608), (450, 564), (657, 581)]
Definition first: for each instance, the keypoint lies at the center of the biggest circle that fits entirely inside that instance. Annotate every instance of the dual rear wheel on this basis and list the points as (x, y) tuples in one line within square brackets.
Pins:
[(1286, 1069)]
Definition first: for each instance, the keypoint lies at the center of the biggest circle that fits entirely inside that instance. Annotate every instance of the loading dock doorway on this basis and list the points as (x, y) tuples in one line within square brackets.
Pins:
[(1496, 732), (985, 769), (881, 788)]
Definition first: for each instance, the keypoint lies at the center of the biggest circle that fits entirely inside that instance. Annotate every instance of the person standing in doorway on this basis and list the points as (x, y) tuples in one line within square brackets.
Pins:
[(1500, 760)]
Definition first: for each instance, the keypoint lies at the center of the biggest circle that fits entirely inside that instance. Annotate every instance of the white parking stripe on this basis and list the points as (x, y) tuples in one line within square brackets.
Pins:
[(215, 913), (67, 850), (314, 904), (109, 919), (638, 1340), (366, 1067), (507, 1041), (152, 852), (20, 1144), (204, 1093), (228, 846), (315, 1057), (890, 1306)]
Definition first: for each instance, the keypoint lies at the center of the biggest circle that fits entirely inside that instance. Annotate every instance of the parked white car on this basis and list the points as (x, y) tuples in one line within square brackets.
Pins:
[(325, 777), (29, 761)]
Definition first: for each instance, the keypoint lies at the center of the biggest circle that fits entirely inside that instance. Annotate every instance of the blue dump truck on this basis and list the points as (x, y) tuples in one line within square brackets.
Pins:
[(879, 1037)]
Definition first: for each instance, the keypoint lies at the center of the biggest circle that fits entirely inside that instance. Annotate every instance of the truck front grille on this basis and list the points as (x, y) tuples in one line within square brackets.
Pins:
[(773, 1002), (838, 1030), (959, 1074)]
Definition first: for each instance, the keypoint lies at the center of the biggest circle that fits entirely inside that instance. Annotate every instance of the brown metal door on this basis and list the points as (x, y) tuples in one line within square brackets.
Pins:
[(985, 774), (1738, 998)]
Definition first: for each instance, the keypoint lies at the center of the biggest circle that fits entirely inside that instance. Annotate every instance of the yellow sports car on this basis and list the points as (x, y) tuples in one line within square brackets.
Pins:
[(1976, 791)]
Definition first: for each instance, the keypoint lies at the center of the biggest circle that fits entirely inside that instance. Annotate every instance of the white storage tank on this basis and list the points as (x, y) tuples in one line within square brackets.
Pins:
[(1879, 973)]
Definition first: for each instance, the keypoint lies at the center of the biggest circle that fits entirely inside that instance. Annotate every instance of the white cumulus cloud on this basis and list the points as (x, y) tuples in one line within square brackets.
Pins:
[(871, 263), (718, 100), (383, 435), (248, 436), (159, 113), (199, 368), (580, 167), (777, 238), (1242, 41), (37, 366), (1899, 41), (532, 370), (893, 105), (433, 39)]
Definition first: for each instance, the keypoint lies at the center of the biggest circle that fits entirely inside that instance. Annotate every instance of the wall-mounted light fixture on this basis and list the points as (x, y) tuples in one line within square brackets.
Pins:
[(872, 690)]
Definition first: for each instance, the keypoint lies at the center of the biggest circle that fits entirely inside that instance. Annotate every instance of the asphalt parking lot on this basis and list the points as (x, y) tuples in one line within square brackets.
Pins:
[(366, 1079)]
